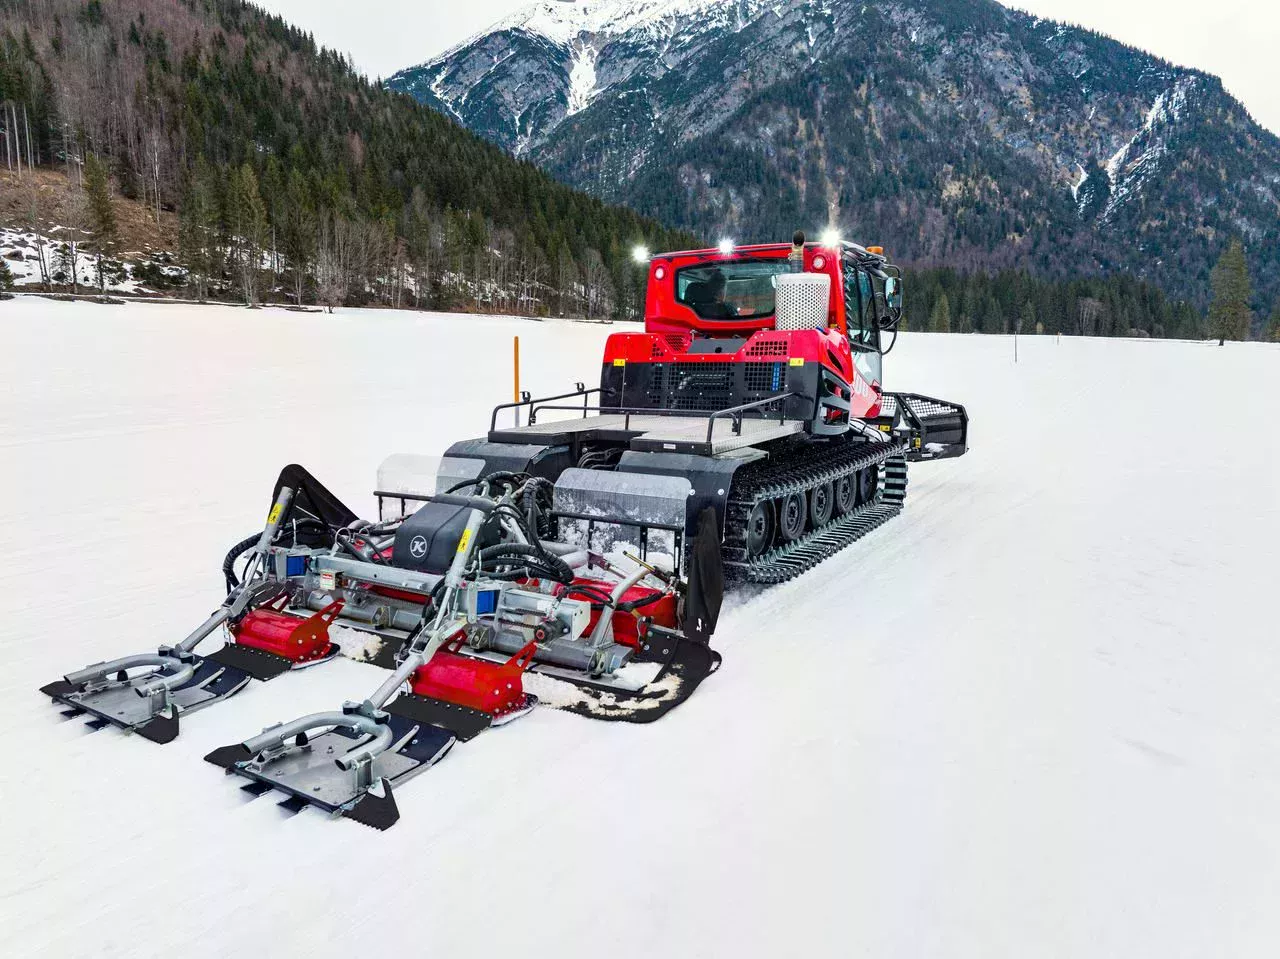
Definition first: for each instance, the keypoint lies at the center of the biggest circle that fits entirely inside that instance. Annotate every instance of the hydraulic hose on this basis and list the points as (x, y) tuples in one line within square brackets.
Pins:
[(229, 563), (562, 571)]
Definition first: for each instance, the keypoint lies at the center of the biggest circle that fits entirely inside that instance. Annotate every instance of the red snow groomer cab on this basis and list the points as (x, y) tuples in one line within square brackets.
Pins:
[(736, 326), (755, 394)]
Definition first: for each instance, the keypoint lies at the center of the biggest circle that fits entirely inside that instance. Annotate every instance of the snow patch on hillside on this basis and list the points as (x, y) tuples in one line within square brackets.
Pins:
[(1135, 162), (582, 77)]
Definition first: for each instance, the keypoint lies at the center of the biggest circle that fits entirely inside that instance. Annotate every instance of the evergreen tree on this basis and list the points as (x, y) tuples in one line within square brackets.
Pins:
[(1273, 325), (298, 230), (6, 277), (103, 229), (940, 318), (198, 229), (247, 223), (1229, 316)]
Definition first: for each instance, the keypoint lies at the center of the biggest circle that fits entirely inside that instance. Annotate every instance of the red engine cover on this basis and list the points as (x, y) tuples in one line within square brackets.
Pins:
[(272, 630), (493, 688)]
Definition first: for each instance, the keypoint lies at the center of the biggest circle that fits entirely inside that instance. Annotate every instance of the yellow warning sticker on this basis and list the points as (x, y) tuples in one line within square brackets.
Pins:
[(275, 515), (886, 428), (465, 541), (619, 362), (797, 361)]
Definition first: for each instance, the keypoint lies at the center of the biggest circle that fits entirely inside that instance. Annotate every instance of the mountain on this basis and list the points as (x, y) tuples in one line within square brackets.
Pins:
[(241, 123), (955, 132)]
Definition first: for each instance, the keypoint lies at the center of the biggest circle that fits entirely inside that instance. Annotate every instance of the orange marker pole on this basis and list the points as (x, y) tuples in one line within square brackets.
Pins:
[(515, 390)]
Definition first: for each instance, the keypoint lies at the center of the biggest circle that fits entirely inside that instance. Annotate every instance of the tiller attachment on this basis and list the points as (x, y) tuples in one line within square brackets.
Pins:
[(495, 689), (302, 642), (346, 763)]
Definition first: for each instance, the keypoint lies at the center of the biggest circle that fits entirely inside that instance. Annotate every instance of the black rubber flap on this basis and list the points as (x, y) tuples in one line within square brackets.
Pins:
[(228, 756), (59, 689), (311, 498), (376, 811), (162, 729), (261, 666), (463, 722), (689, 664), (706, 580)]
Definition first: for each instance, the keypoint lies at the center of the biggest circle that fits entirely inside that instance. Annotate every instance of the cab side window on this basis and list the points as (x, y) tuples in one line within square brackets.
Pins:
[(860, 307)]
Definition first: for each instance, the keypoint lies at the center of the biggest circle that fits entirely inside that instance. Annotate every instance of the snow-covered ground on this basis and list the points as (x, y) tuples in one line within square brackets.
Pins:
[(1036, 716)]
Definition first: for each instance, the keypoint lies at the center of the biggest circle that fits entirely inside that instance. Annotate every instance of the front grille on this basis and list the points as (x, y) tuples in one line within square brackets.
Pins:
[(700, 377)]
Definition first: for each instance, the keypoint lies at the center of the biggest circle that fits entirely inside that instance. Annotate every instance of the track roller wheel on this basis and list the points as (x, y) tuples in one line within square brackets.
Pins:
[(846, 494), (822, 503), (793, 514), (760, 529), (868, 484)]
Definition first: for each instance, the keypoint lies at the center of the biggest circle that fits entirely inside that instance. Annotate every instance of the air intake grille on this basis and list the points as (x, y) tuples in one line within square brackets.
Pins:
[(774, 347), (803, 299)]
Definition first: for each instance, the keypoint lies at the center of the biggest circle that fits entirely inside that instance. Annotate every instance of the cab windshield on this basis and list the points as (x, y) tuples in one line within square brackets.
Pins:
[(741, 290)]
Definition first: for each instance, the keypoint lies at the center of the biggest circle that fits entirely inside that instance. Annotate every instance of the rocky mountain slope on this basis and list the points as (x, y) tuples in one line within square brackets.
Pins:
[(958, 132)]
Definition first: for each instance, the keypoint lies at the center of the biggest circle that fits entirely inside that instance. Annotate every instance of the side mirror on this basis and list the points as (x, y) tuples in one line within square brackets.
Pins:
[(893, 294)]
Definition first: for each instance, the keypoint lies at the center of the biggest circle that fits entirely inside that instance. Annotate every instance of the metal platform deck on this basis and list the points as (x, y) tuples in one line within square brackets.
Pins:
[(704, 435)]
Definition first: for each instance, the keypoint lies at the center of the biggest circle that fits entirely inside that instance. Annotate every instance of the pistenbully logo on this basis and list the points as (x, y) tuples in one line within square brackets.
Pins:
[(418, 548)]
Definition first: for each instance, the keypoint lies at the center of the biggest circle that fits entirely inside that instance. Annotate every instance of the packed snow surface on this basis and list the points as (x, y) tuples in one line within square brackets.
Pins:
[(1037, 715)]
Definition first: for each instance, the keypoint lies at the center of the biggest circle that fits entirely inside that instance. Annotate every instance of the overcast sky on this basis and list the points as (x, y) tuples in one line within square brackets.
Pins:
[(1239, 40)]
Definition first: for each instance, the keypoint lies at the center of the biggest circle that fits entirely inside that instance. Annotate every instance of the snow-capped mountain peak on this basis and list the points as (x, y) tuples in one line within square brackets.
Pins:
[(562, 21), (966, 132)]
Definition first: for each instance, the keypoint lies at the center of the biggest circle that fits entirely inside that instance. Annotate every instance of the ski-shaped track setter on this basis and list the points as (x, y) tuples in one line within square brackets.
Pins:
[(149, 692)]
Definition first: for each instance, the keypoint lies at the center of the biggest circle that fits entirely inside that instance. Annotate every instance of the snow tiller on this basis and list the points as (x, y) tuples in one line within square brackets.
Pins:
[(493, 605)]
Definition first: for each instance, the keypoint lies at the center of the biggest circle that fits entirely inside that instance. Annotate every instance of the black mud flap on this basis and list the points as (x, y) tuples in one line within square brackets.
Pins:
[(263, 667), (226, 757), (706, 581), (161, 730), (376, 808), (56, 692), (312, 498), (686, 665)]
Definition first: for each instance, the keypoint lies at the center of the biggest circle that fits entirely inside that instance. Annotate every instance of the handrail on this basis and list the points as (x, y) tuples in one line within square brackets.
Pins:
[(737, 414), (627, 412), (528, 400)]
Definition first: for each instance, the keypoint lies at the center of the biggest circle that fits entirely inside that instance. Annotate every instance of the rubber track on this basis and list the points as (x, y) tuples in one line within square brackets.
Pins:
[(775, 478)]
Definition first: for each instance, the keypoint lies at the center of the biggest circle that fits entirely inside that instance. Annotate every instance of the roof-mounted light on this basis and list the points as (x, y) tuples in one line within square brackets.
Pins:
[(726, 247), (831, 237), (640, 253)]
